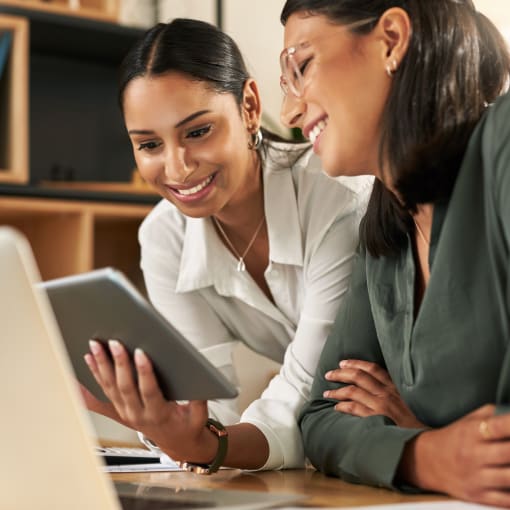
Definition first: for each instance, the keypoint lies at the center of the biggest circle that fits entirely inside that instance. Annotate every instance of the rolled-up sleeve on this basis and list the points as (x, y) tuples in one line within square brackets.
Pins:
[(326, 282), (360, 450)]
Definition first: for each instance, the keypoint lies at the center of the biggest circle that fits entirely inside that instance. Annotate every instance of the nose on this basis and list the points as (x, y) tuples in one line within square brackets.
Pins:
[(292, 111), (179, 165)]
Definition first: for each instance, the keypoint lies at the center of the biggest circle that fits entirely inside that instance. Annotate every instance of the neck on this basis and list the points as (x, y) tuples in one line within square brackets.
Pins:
[(244, 211)]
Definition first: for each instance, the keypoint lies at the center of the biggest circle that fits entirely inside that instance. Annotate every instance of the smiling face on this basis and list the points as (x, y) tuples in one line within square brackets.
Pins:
[(190, 142), (345, 88)]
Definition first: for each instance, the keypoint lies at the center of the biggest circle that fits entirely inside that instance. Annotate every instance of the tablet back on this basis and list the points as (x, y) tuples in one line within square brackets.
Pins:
[(104, 305), (47, 450)]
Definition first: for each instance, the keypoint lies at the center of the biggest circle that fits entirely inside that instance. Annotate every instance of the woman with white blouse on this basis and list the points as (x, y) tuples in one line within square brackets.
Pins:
[(251, 243)]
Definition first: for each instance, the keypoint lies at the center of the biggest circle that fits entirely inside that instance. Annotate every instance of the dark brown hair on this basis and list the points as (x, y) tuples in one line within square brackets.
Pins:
[(457, 64), (196, 49)]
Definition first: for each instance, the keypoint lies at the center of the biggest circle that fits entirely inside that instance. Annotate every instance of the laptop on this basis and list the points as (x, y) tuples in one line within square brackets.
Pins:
[(48, 459)]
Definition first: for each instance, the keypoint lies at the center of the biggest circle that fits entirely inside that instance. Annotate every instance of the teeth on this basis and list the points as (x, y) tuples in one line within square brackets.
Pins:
[(317, 130), (197, 188)]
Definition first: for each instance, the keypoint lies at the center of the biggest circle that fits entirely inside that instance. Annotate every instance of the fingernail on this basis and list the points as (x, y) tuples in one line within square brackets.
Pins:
[(140, 357), (343, 363), (115, 347), (88, 359), (325, 394), (328, 374), (94, 346)]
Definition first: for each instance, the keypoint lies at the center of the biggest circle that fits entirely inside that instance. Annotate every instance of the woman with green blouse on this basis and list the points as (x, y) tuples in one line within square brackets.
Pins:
[(413, 93)]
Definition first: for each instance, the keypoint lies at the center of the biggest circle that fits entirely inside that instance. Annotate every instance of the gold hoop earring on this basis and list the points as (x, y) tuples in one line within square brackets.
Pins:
[(256, 140)]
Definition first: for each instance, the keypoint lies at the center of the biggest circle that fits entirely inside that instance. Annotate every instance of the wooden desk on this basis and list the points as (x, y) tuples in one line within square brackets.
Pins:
[(321, 490)]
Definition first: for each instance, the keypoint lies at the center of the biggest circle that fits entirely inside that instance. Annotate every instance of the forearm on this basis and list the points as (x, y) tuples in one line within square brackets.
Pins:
[(360, 450), (411, 469), (247, 448)]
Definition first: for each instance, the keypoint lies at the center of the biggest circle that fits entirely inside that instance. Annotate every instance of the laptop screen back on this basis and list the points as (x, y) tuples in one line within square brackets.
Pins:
[(48, 459), (47, 451)]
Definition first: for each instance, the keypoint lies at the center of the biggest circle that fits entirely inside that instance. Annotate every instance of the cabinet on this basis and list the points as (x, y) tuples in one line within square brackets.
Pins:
[(105, 10), (74, 236), (59, 121), (75, 128), (14, 99)]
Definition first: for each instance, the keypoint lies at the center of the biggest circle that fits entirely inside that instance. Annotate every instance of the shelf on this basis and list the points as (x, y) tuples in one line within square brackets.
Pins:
[(70, 237), (14, 102), (78, 194), (103, 187), (103, 10), (61, 32)]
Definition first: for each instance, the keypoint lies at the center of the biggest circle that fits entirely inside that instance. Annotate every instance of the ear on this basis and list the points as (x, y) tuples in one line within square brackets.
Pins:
[(395, 32), (251, 107)]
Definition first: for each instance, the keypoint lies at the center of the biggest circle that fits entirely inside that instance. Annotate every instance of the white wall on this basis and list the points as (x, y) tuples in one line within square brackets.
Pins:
[(497, 11), (256, 28)]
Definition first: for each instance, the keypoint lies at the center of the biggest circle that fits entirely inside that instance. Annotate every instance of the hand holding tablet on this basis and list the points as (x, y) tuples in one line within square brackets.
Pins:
[(104, 305)]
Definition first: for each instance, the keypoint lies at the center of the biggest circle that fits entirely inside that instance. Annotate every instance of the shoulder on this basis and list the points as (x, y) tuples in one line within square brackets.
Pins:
[(163, 227), (495, 141)]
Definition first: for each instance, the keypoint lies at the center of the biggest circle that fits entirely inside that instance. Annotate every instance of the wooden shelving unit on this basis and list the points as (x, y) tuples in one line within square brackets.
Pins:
[(59, 116), (14, 102), (70, 236), (102, 10)]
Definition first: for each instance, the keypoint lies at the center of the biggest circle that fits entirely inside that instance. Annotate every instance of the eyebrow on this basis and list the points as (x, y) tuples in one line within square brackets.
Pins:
[(187, 119)]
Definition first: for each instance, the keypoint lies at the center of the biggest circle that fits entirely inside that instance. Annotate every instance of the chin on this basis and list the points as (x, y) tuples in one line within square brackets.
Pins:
[(332, 169)]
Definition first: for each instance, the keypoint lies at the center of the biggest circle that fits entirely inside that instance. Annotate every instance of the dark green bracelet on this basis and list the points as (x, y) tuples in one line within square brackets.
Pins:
[(207, 469)]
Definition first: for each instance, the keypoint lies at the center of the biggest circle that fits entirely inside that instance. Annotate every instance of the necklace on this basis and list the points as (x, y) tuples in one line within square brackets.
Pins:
[(420, 233), (241, 266)]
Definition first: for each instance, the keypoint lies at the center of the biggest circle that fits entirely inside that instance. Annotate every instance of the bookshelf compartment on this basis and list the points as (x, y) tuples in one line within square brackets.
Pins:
[(116, 239), (72, 236), (14, 100), (103, 10)]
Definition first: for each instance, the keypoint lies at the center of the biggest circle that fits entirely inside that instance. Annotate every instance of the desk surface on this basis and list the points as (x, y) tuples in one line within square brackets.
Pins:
[(321, 490)]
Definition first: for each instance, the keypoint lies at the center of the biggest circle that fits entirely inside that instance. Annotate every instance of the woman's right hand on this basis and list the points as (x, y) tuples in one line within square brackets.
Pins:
[(178, 429), (468, 459)]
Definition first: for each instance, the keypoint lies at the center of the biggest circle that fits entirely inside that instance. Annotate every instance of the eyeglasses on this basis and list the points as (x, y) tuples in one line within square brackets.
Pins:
[(292, 79)]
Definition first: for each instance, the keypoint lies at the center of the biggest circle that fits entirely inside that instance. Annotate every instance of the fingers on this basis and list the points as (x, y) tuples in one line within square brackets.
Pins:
[(375, 370), (353, 398), (482, 412), (494, 427), (369, 391), (150, 391), (126, 388), (491, 487), (499, 498), (348, 374), (116, 379), (355, 409), (102, 369)]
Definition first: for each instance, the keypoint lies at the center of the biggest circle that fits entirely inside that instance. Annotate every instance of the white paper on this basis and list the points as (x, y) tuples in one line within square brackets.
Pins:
[(141, 468)]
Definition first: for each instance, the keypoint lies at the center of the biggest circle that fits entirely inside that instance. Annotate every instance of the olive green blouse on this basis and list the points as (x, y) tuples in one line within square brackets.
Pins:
[(454, 357)]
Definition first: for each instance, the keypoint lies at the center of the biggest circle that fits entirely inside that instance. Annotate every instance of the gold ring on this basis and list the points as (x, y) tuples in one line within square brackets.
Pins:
[(484, 430)]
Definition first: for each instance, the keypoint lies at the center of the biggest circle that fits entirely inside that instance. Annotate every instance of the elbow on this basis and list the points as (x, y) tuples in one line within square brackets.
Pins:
[(319, 433)]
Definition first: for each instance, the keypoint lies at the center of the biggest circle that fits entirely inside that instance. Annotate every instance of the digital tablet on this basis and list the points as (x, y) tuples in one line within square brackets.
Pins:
[(104, 305)]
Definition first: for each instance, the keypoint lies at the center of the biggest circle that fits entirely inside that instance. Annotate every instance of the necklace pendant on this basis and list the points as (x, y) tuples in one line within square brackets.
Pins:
[(241, 266)]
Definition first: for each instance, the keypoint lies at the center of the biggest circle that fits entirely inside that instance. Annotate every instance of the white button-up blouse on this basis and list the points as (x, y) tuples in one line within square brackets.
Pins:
[(191, 278)]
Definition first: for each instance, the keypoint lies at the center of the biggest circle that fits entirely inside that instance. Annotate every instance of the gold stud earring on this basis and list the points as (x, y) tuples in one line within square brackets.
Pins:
[(391, 68)]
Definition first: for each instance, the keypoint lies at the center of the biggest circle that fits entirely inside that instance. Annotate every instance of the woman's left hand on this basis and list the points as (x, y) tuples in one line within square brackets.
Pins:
[(369, 391), (178, 429)]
